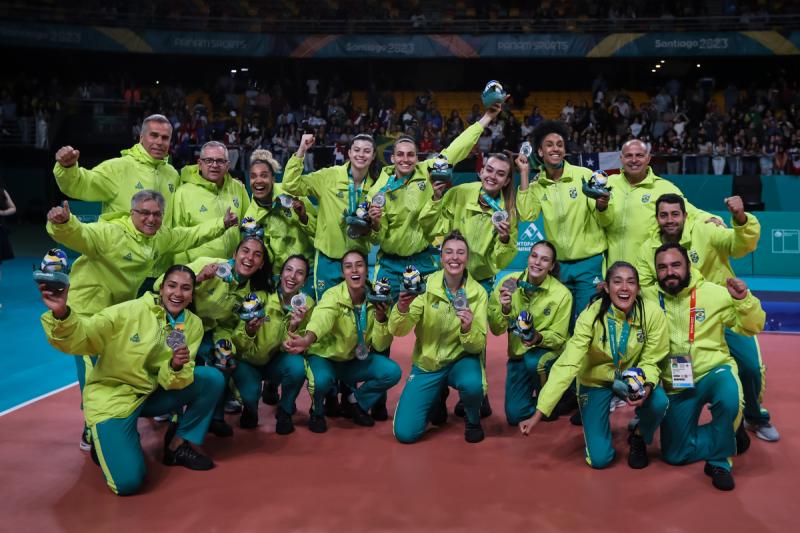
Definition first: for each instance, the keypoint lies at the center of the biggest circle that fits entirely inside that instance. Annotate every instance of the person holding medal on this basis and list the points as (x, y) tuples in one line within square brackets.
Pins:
[(449, 322), (258, 347), (343, 338), (226, 294), (535, 309), (207, 190), (710, 248), (700, 369), (119, 254), (570, 215), (145, 366), (615, 352), (289, 222), (341, 191), (399, 194)]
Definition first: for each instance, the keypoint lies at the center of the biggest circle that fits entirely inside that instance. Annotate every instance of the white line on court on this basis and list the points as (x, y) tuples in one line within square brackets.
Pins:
[(42, 397)]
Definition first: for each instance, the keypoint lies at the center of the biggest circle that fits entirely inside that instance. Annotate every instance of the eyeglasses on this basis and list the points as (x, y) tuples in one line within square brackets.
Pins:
[(210, 161), (145, 213)]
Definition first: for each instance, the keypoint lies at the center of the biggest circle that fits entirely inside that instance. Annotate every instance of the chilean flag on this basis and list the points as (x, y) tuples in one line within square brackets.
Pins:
[(605, 161)]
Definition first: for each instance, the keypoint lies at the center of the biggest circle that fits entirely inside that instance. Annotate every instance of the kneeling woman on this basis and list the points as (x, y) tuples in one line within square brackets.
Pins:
[(535, 340), (450, 320), (342, 337), (145, 367), (618, 331), (258, 344)]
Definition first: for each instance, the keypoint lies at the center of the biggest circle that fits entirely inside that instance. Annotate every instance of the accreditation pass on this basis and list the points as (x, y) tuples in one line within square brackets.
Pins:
[(681, 366)]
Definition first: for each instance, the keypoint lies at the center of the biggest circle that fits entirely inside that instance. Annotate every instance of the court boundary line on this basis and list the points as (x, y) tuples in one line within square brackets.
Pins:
[(34, 400)]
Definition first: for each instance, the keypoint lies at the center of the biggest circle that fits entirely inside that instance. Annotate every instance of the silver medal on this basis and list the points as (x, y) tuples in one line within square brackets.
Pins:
[(510, 284), (526, 149), (298, 300), (460, 302), (176, 339), (286, 201), (379, 200), (224, 270), (362, 352), (499, 216)]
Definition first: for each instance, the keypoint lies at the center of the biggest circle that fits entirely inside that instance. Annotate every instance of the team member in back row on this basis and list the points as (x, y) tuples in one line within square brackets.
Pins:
[(113, 182), (341, 192), (700, 369), (449, 322), (207, 191), (618, 332), (710, 248), (146, 349), (570, 217), (536, 337), (404, 188)]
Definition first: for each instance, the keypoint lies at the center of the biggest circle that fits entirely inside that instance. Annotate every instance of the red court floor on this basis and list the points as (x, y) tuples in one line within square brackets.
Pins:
[(360, 479)]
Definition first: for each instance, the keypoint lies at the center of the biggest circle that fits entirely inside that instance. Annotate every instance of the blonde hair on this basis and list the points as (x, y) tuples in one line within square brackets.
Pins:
[(264, 156)]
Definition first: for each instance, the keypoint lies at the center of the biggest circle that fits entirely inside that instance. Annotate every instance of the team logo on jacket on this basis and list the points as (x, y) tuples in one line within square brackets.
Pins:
[(544, 197), (203, 209), (640, 336), (340, 194), (694, 257), (421, 185), (135, 337), (700, 314), (546, 311), (435, 305), (321, 285), (139, 185), (171, 187), (128, 257), (645, 198), (573, 192), (236, 202)]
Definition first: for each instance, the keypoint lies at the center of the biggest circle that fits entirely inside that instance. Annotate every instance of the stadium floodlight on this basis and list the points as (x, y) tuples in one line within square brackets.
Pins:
[(662, 61), (233, 71), (652, 70), (244, 69)]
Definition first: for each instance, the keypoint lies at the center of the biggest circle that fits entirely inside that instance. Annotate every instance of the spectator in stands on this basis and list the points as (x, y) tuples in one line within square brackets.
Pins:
[(719, 155)]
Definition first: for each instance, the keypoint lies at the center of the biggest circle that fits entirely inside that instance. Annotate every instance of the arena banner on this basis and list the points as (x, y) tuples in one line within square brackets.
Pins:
[(521, 45)]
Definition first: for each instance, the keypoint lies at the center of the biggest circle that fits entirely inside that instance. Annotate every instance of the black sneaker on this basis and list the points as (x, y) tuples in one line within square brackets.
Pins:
[(379, 412), (361, 417), (552, 417), (220, 428), (567, 403), (458, 410), (486, 409), (332, 408), (576, 419), (270, 393), (438, 413), (637, 453), (720, 477), (186, 455), (249, 419), (473, 433), (317, 424), (346, 408), (86, 440), (742, 440), (283, 422)]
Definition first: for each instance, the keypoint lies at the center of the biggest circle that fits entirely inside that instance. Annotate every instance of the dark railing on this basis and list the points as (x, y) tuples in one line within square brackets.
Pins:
[(270, 21)]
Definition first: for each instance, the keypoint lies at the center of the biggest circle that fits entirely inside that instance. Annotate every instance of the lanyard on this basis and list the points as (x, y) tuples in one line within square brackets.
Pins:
[(360, 313), (692, 312), (177, 323), (353, 194), (491, 202), (395, 183), (526, 285), (618, 351), (459, 291)]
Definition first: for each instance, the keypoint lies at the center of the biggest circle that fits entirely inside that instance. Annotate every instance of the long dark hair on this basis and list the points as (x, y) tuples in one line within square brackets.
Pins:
[(299, 258), (374, 168), (509, 190), (187, 270), (556, 272), (605, 296), (262, 279)]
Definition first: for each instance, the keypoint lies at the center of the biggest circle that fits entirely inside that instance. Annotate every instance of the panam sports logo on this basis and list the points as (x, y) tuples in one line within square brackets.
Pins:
[(529, 236)]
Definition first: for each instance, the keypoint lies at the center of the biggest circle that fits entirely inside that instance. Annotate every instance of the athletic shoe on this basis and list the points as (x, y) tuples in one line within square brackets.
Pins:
[(220, 428), (637, 452), (473, 433), (233, 406), (346, 408), (270, 393), (552, 417), (163, 418), (332, 405), (283, 422), (379, 412), (458, 410), (186, 455), (764, 431), (361, 417), (86, 441), (249, 419), (742, 440), (720, 477), (576, 419), (486, 408), (438, 413), (317, 424), (567, 403)]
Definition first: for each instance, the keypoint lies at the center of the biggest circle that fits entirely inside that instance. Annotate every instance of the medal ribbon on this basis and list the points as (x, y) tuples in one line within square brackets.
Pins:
[(692, 313), (526, 285), (618, 351), (177, 323), (395, 183), (491, 202), (360, 313), (353, 194), (450, 295)]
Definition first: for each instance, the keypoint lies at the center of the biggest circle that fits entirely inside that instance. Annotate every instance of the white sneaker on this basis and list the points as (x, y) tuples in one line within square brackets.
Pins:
[(765, 431), (233, 406), (163, 418), (85, 445)]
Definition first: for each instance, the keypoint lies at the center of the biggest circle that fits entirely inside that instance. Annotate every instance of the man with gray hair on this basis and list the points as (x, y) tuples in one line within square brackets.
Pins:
[(114, 181), (207, 190)]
